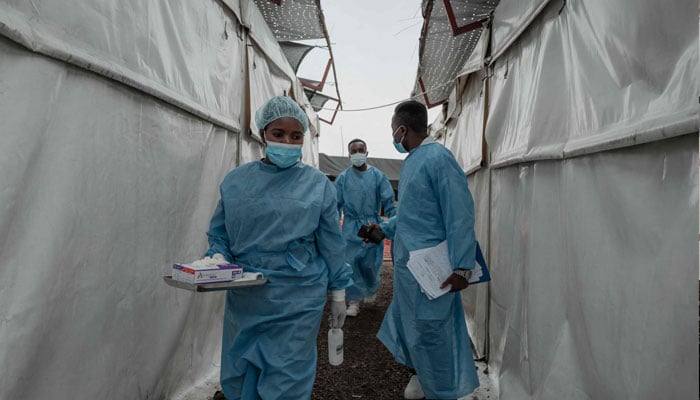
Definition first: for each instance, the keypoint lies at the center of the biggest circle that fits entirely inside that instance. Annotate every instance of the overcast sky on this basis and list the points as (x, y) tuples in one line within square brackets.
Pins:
[(375, 46)]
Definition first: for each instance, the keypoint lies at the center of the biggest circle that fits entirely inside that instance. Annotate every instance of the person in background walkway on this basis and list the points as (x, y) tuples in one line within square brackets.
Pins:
[(362, 191), (279, 217), (429, 336)]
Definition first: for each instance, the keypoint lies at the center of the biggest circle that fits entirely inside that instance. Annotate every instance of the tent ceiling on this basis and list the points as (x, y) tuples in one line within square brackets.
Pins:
[(299, 20), (292, 19), (295, 52), (316, 99), (451, 31)]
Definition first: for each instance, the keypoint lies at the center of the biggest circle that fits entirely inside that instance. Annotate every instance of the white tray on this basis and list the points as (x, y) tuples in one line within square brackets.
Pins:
[(212, 287)]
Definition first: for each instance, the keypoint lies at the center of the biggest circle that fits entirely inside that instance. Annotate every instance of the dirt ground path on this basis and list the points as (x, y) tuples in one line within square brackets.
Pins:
[(369, 370)]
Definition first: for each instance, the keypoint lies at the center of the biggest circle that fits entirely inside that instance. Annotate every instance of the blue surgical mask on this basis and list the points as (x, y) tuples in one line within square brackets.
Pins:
[(397, 145), (358, 159), (283, 155)]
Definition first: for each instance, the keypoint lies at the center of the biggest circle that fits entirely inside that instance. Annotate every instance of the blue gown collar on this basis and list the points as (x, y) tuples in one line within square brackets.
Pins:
[(275, 168), (427, 140)]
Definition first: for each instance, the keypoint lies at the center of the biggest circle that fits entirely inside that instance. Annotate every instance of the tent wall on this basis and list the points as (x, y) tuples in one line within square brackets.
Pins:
[(182, 52), (265, 81), (511, 18), (476, 300), (117, 123), (589, 199), (465, 127), (103, 187), (310, 153), (594, 263), (579, 80)]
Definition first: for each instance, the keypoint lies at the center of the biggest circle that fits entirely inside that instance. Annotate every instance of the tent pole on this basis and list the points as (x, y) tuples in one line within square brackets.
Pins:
[(322, 20)]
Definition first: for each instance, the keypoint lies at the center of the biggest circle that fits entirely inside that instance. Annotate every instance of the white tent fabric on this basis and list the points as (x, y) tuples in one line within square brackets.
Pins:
[(580, 81), (477, 59), (309, 153), (117, 123), (594, 266), (510, 19), (590, 231), (465, 130), (265, 82), (251, 149), (265, 38), (235, 7), (153, 51), (476, 299), (103, 188)]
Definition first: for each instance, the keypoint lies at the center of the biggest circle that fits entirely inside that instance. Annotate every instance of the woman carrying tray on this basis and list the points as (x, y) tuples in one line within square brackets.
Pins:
[(279, 217)]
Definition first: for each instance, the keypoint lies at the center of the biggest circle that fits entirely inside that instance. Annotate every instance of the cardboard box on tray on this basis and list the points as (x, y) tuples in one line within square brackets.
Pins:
[(197, 274)]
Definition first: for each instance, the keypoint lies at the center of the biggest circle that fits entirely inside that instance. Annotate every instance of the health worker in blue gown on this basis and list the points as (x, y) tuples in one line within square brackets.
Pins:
[(362, 192), (434, 205), (279, 217)]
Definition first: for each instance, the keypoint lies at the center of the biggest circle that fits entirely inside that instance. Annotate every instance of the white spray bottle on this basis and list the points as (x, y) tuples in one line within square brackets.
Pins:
[(335, 346)]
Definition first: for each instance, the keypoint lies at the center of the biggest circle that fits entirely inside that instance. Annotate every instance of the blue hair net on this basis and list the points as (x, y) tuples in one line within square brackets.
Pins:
[(278, 107)]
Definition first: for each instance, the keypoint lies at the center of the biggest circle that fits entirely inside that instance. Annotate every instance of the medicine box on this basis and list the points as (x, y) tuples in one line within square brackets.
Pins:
[(206, 274)]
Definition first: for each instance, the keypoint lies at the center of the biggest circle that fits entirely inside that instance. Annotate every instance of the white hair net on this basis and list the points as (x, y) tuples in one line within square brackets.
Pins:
[(278, 107)]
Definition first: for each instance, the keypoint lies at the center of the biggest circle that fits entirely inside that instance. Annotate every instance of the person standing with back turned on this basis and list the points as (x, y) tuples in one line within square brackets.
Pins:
[(362, 191), (429, 336)]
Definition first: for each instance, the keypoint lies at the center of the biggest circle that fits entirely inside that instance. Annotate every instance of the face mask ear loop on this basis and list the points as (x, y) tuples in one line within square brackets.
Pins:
[(402, 137)]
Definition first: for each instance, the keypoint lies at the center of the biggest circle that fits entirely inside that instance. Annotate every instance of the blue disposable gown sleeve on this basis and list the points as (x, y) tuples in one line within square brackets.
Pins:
[(339, 182), (389, 227), (218, 236), (386, 193), (331, 244), (457, 207)]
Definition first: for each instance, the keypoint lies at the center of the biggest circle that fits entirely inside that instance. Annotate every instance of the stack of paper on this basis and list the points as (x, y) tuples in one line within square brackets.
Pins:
[(431, 267)]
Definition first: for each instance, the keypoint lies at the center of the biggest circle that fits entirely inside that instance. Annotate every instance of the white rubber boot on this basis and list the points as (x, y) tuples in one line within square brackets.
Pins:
[(413, 390), (371, 299)]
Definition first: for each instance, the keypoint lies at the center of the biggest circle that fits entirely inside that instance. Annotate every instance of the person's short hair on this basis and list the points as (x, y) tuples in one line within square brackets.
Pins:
[(412, 114), (358, 140)]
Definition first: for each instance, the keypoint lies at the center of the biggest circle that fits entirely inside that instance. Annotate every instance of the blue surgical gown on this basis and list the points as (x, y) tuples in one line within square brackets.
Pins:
[(361, 194), (283, 223), (431, 335)]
